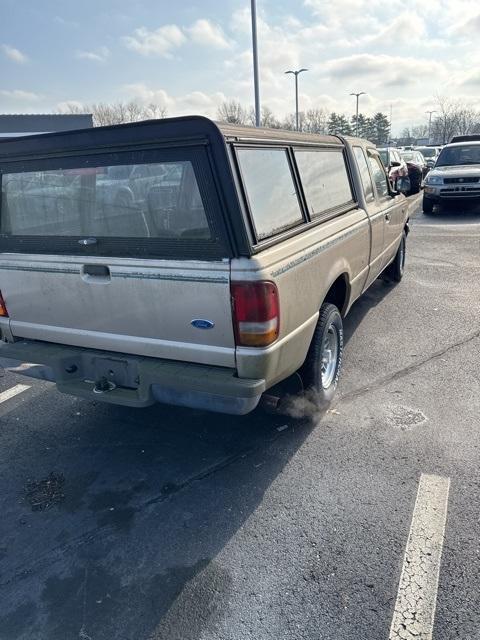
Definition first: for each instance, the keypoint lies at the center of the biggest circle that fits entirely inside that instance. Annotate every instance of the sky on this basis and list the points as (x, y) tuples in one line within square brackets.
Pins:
[(190, 56)]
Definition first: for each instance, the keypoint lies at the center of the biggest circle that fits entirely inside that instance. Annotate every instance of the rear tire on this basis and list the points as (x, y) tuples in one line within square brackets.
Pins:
[(321, 370), (427, 206), (396, 269)]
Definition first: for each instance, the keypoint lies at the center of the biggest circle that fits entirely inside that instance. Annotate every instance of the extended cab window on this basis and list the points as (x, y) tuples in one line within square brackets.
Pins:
[(325, 180), (158, 200), (270, 190), (378, 173), (364, 174)]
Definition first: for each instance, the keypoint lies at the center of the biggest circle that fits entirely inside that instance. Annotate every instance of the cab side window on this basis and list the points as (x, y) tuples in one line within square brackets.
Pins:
[(378, 174), (364, 174)]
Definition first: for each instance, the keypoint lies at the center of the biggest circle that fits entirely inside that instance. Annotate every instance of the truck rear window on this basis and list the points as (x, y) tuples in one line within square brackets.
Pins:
[(158, 200)]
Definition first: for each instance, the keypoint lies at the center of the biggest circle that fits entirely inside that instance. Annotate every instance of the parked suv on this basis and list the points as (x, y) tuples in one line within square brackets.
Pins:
[(233, 272), (455, 177), (430, 154)]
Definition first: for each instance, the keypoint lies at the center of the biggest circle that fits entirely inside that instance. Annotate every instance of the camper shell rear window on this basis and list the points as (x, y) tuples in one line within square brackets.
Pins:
[(159, 203)]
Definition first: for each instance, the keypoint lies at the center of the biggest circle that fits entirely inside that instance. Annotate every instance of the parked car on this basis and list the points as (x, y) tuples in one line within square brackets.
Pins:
[(430, 154), (473, 137), (455, 177), (396, 167), (417, 169), (196, 301)]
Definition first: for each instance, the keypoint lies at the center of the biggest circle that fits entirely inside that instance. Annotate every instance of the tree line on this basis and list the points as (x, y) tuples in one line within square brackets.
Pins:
[(319, 120), (452, 117)]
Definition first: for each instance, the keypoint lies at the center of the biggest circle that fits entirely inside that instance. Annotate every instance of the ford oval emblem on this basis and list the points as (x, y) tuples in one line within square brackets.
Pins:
[(200, 323)]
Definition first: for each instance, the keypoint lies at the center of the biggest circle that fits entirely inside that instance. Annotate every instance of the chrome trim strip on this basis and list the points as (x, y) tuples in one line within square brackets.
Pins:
[(323, 247), (122, 274)]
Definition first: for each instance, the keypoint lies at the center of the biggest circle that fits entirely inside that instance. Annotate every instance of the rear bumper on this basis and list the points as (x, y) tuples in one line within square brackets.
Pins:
[(135, 381)]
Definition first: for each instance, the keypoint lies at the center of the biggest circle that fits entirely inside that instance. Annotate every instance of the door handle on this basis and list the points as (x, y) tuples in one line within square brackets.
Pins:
[(98, 273), (387, 217)]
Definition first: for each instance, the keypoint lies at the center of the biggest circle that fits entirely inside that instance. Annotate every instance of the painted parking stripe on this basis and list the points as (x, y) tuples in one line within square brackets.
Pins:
[(414, 612), (14, 391)]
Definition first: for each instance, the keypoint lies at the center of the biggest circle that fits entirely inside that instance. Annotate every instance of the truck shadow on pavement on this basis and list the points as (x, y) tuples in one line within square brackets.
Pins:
[(374, 295), (128, 546)]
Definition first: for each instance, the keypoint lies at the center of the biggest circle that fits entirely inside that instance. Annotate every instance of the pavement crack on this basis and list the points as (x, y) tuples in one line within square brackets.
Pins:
[(401, 373)]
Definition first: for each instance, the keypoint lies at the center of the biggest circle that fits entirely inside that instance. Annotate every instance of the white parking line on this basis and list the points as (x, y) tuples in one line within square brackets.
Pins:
[(414, 613), (14, 391)]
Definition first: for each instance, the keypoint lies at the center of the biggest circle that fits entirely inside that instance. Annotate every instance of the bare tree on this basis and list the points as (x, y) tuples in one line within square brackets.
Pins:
[(154, 111), (315, 121), (232, 112), (267, 118), (289, 122), (454, 118), (420, 131), (119, 112)]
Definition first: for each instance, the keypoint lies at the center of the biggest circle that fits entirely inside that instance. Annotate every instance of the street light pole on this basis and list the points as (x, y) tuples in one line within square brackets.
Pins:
[(357, 95), (255, 63), (429, 123), (296, 74)]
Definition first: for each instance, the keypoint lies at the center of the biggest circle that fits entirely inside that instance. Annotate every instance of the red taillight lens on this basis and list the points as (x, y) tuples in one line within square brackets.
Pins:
[(3, 308), (256, 313)]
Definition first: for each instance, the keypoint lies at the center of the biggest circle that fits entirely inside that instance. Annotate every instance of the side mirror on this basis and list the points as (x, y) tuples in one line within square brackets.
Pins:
[(403, 185), (395, 164)]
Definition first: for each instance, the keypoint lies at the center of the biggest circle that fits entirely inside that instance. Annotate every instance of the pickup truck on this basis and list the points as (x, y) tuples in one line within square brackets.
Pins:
[(230, 275)]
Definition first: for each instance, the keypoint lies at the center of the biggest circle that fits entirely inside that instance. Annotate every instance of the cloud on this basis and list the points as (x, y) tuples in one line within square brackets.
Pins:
[(164, 40), (380, 69), (472, 79), (14, 54), (160, 42), (19, 94), (206, 33), (64, 22), (98, 55), (406, 28), (466, 28), (195, 102)]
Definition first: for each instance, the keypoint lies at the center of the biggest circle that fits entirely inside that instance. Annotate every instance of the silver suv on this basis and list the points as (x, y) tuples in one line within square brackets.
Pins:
[(455, 177)]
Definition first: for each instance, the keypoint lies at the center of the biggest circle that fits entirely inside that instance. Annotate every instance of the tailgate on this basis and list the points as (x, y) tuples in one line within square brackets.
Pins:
[(178, 310)]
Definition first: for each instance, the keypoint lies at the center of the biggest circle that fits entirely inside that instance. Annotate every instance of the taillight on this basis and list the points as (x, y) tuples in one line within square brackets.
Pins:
[(256, 313), (3, 308)]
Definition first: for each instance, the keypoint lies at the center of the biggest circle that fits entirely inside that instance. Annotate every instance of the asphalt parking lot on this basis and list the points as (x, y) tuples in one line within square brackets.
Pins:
[(175, 524)]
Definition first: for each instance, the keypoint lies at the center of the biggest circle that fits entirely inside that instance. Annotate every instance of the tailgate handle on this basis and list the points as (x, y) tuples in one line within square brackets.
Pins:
[(96, 273)]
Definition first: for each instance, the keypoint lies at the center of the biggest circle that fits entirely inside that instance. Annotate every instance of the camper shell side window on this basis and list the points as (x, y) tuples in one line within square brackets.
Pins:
[(287, 189)]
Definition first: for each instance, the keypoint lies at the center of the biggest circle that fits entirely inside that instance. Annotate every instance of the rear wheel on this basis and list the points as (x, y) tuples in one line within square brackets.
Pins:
[(321, 370), (427, 206)]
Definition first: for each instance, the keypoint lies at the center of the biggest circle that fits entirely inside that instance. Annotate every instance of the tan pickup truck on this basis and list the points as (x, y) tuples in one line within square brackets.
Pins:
[(230, 273)]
